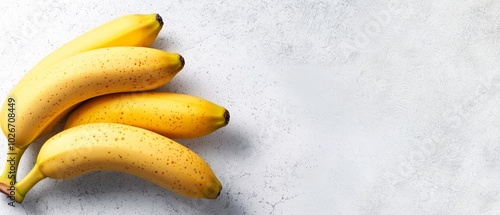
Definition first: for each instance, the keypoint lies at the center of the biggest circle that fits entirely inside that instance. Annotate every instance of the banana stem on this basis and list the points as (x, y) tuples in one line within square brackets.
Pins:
[(8, 177), (25, 185)]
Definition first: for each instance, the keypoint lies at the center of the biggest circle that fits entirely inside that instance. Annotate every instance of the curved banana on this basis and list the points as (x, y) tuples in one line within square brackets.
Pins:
[(170, 114), (117, 147), (128, 30), (34, 103)]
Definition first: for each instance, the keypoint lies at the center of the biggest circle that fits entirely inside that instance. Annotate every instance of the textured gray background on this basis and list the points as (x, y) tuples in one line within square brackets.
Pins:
[(338, 107)]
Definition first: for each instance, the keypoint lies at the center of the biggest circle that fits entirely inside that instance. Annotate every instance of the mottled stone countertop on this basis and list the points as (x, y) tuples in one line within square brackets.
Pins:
[(337, 107)]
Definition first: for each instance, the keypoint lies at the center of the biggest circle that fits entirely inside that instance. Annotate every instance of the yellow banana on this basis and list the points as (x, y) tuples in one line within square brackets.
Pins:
[(170, 114), (117, 147), (128, 30), (33, 104)]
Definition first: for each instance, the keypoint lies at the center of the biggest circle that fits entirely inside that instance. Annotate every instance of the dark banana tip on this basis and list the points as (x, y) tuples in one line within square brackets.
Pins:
[(226, 117), (182, 60), (159, 19), (218, 194)]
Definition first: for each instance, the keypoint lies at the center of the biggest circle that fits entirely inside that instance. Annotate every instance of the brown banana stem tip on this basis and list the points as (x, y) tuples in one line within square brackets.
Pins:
[(182, 60), (226, 117), (159, 19), (218, 194), (4, 188)]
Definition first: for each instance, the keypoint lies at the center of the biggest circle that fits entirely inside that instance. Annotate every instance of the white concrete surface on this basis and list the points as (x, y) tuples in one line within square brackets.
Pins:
[(338, 107)]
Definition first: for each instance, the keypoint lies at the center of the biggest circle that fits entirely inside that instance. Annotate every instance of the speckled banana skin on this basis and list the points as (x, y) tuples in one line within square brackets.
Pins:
[(117, 147), (47, 94), (170, 114), (128, 30), (83, 76)]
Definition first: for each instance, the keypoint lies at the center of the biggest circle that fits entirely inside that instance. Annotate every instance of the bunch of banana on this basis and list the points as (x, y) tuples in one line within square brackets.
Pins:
[(106, 77), (129, 30)]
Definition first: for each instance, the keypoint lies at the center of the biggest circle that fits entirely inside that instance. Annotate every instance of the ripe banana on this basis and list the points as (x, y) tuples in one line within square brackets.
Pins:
[(34, 103), (117, 147), (170, 114), (128, 30)]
